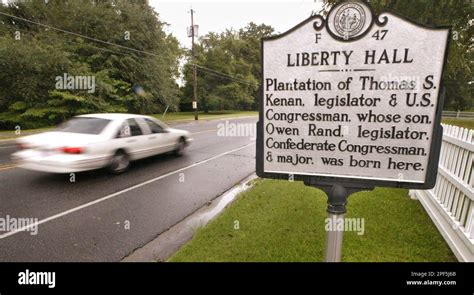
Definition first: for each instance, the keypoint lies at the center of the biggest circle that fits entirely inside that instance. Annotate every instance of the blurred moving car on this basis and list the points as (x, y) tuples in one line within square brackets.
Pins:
[(96, 141)]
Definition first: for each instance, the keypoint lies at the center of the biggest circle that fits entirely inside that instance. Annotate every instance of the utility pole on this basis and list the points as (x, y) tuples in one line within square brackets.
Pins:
[(194, 67)]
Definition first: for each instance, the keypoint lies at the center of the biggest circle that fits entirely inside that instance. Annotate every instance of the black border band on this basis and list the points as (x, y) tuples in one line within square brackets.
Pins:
[(437, 135)]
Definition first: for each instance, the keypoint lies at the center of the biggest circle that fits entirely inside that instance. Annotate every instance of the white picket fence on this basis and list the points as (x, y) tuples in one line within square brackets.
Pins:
[(451, 203)]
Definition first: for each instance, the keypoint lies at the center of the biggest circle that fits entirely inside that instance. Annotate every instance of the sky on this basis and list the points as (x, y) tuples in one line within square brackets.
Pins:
[(216, 16)]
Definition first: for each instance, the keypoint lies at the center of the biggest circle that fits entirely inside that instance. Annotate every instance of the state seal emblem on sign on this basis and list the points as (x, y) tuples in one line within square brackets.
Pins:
[(349, 20)]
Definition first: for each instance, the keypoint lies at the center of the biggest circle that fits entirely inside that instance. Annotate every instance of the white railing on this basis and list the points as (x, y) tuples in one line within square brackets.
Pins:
[(458, 114), (451, 203)]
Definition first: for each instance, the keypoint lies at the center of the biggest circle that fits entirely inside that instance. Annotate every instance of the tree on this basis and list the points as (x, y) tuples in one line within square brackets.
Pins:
[(229, 69), (458, 14), (31, 62)]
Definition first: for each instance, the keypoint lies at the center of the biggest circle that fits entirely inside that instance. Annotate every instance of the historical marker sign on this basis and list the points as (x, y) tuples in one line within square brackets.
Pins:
[(353, 98)]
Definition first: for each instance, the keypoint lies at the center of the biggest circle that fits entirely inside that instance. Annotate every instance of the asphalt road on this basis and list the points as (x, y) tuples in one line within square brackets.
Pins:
[(6, 149), (101, 217)]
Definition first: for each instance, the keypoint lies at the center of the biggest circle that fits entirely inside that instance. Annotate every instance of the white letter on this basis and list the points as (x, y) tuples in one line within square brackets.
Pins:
[(21, 278), (52, 280)]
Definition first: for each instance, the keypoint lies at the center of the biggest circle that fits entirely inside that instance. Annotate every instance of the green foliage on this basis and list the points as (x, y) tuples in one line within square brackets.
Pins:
[(231, 53), (465, 123), (32, 57), (456, 13)]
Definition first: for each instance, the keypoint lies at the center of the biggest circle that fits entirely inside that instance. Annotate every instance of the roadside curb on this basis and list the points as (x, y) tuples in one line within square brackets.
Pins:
[(167, 243)]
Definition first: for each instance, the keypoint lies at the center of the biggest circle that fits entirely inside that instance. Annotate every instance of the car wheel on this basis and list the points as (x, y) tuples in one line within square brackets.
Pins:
[(120, 163), (179, 151)]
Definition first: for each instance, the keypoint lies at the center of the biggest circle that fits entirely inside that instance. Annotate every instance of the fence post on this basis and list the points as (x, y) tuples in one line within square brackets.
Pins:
[(412, 194), (470, 224)]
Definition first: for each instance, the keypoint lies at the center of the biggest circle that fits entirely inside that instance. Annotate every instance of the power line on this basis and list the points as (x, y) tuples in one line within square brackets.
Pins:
[(117, 45), (216, 73), (88, 45), (201, 68), (79, 35), (99, 48)]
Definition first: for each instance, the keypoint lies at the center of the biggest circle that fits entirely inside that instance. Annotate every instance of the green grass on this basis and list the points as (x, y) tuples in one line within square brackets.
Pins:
[(186, 116), (9, 134), (284, 222), (26, 130), (466, 123)]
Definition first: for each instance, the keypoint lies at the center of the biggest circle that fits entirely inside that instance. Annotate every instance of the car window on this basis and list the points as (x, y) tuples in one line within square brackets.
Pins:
[(124, 131), (85, 125), (154, 127), (135, 129)]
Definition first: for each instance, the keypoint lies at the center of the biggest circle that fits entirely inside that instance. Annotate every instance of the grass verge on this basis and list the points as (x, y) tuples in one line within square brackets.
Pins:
[(169, 118), (466, 123), (189, 116), (285, 222)]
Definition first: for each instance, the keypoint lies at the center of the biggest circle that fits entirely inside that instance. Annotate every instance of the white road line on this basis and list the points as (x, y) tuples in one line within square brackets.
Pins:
[(11, 233), (205, 131)]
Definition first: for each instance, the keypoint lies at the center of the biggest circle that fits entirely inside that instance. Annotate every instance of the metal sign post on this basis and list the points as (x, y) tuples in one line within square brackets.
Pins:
[(334, 241), (351, 102), (337, 200)]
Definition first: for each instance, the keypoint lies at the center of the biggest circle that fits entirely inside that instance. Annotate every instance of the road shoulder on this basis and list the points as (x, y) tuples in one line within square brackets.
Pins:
[(167, 243)]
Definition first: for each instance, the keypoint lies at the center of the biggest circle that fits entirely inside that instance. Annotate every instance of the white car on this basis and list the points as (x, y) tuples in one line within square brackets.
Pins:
[(96, 141)]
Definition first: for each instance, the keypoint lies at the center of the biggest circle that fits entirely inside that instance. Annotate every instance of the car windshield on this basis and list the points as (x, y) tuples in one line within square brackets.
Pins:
[(162, 125), (84, 125)]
